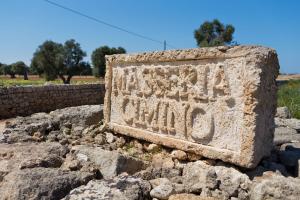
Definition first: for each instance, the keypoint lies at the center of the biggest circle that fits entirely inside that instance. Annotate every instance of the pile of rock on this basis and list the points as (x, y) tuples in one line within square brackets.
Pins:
[(68, 154)]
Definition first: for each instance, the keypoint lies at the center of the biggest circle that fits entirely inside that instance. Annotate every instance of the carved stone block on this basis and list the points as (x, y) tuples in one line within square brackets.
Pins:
[(218, 102)]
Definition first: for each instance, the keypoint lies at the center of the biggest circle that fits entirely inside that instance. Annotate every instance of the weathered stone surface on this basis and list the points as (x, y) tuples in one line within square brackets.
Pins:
[(291, 123), (218, 102), (110, 163), (232, 183), (185, 196), (43, 126), (162, 191), (20, 156), (273, 186), (199, 177), (283, 112), (40, 183), (119, 188), (83, 116), (285, 135)]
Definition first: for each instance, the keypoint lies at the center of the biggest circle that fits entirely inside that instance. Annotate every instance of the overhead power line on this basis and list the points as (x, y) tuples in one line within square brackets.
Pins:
[(108, 24)]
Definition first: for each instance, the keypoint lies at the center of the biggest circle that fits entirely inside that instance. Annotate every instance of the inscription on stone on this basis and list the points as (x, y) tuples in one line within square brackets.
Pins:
[(205, 101)]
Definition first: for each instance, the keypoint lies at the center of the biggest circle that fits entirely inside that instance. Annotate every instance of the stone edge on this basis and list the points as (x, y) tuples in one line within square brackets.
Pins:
[(186, 54)]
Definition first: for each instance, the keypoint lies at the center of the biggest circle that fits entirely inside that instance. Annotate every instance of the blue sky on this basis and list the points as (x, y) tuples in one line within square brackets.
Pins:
[(25, 24)]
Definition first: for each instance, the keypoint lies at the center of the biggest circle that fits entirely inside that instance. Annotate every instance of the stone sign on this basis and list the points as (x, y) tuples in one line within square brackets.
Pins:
[(218, 102)]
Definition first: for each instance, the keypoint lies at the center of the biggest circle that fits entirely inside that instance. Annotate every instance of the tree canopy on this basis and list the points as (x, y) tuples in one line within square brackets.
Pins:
[(98, 58), (214, 34), (20, 68), (54, 60)]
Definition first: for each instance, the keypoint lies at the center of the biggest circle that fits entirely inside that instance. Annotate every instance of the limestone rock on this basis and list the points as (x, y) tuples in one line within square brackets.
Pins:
[(99, 139), (283, 112), (162, 160), (274, 186), (186, 196), (291, 123), (178, 154), (110, 138), (25, 129), (159, 181), (232, 182), (40, 183), (120, 188), (153, 148), (110, 163), (285, 135), (198, 176), (81, 115), (26, 155), (162, 191)]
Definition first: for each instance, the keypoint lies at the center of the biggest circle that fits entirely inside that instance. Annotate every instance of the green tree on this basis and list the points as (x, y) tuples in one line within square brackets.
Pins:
[(47, 59), (20, 68), (34, 68), (7, 69), (72, 60), (98, 58), (1, 68), (56, 60), (214, 34), (85, 69)]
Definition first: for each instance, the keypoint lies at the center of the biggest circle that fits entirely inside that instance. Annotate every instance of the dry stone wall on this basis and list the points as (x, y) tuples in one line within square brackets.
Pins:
[(26, 100), (218, 102)]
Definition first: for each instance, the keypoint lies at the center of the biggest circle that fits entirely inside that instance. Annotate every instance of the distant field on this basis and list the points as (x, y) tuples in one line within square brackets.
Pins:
[(285, 77), (36, 80)]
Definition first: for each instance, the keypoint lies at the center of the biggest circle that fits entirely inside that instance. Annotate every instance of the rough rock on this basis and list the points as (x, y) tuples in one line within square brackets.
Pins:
[(198, 176), (120, 188), (232, 182), (110, 138), (25, 129), (186, 196), (291, 123), (285, 135), (30, 155), (100, 139), (162, 191), (110, 163), (274, 186), (40, 183), (283, 112), (178, 154), (153, 148), (162, 160), (84, 116)]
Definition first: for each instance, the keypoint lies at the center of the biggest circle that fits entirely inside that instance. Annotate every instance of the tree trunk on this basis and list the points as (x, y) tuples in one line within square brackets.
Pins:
[(68, 79), (62, 78), (25, 75), (12, 76)]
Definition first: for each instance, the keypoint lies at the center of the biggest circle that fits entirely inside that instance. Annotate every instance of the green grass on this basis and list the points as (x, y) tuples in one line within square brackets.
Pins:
[(289, 95)]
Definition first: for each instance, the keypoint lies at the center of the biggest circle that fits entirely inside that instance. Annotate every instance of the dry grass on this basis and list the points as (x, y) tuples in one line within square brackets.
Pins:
[(36, 80)]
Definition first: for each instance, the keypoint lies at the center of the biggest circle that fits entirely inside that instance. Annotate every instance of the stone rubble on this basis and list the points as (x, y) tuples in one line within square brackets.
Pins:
[(84, 161)]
